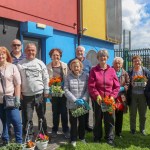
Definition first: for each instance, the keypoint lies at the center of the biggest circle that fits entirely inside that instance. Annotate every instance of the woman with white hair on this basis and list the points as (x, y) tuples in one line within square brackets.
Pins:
[(121, 106), (103, 83)]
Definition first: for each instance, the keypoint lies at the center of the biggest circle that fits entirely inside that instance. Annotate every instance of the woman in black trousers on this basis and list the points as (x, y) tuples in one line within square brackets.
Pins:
[(121, 106)]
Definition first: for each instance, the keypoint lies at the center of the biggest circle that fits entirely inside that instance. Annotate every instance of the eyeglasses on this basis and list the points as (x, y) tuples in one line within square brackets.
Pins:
[(136, 61), (16, 45)]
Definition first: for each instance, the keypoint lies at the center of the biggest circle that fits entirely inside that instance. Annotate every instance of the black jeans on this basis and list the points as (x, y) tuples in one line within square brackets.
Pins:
[(108, 123), (77, 127), (28, 103), (118, 121), (59, 108)]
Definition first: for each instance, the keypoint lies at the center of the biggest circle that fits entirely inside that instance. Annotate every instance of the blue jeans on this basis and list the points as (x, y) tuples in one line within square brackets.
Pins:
[(11, 116)]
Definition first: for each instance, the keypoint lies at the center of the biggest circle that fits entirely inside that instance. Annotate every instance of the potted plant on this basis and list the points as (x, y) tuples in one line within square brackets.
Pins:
[(29, 145), (108, 105), (55, 85), (139, 81), (42, 141)]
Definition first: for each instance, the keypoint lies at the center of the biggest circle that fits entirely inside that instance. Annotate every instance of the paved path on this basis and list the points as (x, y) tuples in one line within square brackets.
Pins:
[(60, 139), (55, 142)]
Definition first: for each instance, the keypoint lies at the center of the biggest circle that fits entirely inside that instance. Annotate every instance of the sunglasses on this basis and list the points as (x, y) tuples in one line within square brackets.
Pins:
[(16, 45)]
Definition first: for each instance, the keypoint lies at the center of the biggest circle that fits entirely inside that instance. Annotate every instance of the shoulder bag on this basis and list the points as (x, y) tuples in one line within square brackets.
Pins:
[(8, 100)]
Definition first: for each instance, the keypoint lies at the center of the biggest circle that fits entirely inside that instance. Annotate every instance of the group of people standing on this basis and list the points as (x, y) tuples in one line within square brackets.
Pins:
[(27, 78)]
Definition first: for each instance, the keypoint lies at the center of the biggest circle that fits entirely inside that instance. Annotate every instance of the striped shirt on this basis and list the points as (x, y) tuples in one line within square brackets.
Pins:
[(15, 59)]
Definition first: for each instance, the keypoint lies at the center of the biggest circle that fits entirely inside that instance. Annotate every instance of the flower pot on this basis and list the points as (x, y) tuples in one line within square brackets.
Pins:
[(104, 107), (57, 95), (139, 84), (32, 148), (41, 145)]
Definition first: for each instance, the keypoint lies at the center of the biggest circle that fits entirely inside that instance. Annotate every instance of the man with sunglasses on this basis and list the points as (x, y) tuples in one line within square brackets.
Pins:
[(16, 52), (17, 56)]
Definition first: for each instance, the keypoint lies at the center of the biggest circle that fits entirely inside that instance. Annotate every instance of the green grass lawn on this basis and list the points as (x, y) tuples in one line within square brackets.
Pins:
[(128, 142)]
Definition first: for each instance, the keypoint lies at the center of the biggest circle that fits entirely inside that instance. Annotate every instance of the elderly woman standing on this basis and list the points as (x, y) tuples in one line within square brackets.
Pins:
[(11, 81), (136, 98), (103, 82), (124, 80), (76, 92), (58, 68)]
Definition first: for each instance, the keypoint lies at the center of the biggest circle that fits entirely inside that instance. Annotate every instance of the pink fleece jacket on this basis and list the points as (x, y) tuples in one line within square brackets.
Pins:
[(103, 82)]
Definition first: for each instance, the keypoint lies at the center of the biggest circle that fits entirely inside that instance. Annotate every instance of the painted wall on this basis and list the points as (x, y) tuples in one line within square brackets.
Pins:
[(96, 45), (94, 18), (68, 43), (65, 41), (60, 15)]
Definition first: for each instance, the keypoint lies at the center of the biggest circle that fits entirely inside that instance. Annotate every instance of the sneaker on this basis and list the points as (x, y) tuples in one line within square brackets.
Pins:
[(143, 132), (83, 141), (54, 134), (73, 143), (67, 135)]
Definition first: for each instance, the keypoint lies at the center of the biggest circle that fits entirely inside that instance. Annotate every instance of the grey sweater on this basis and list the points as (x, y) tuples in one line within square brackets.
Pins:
[(34, 77), (75, 88)]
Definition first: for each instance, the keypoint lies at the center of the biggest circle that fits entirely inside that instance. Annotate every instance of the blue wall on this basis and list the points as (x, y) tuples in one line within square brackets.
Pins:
[(95, 44), (67, 42)]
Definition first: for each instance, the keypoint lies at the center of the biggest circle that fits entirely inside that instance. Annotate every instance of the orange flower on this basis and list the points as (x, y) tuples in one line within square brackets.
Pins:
[(139, 78), (110, 103), (30, 144), (55, 81)]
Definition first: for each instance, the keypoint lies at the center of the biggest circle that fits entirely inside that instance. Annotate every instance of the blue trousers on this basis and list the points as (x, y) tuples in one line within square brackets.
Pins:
[(11, 116)]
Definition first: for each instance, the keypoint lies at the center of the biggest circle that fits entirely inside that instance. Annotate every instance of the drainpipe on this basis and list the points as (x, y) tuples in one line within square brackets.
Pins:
[(80, 19)]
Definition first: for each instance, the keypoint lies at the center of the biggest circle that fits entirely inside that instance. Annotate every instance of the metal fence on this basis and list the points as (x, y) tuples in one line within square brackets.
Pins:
[(128, 54)]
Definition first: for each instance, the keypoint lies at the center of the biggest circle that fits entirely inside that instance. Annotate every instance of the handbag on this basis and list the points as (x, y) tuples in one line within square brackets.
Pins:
[(119, 104), (8, 100)]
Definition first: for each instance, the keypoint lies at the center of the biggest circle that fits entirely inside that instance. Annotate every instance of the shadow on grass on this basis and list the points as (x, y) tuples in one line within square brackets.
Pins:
[(128, 141)]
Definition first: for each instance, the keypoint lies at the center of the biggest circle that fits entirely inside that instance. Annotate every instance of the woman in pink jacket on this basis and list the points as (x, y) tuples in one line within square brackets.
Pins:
[(103, 82)]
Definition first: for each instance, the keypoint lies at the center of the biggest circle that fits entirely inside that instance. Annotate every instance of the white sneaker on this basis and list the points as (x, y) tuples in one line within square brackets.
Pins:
[(83, 141), (73, 143)]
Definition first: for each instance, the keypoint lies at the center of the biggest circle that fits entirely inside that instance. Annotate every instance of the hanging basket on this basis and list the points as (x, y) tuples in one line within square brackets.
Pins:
[(32, 148), (41, 145)]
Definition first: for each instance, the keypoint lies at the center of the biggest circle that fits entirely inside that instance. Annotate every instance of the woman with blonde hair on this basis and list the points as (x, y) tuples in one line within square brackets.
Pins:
[(10, 85)]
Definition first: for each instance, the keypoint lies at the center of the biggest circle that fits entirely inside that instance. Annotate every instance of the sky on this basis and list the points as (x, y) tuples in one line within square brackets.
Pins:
[(136, 18)]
